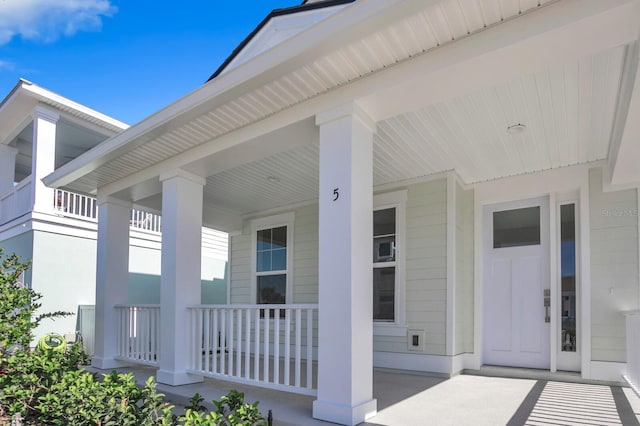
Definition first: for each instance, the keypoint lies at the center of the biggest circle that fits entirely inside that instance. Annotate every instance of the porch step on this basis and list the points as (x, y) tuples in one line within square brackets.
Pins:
[(537, 374)]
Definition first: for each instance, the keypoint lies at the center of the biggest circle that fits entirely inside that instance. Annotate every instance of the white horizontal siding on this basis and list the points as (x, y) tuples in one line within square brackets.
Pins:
[(241, 268), (215, 244), (614, 267), (305, 260), (426, 264), (305, 256)]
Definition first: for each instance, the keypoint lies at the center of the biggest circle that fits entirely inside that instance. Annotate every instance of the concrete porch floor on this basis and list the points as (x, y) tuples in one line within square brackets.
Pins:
[(410, 399)]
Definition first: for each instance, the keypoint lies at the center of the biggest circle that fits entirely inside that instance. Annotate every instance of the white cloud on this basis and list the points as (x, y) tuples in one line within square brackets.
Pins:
[(6, 65), (46, 20)]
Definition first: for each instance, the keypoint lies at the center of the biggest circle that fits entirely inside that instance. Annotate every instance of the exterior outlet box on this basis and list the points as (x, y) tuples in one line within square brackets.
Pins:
[(415, 340)]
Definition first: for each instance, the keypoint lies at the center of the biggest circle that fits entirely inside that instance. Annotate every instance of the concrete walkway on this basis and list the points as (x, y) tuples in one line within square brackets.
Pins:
[(407, 400)]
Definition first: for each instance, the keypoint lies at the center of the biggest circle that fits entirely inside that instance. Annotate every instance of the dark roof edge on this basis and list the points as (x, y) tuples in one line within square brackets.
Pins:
[(276, 12)]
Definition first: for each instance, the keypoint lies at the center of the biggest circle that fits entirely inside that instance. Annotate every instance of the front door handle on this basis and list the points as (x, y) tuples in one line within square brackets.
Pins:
[(547, 304)]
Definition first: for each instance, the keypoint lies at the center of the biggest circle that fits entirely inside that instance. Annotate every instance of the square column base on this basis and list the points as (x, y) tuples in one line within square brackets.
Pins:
[(107, 363), (344, 414), (173, 378)]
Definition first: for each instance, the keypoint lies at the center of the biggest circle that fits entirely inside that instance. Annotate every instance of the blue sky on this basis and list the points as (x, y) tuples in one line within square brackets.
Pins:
[(124, 58)]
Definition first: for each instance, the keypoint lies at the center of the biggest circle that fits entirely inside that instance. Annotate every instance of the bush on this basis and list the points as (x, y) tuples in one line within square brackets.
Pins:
[(230, 410), (47, 386)]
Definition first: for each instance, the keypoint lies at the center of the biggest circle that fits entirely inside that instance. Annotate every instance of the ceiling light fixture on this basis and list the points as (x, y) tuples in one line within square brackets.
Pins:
[(516, 129)]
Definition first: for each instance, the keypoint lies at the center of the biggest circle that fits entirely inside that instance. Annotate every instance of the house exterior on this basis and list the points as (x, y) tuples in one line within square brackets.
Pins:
[(56, 230), (419, 185)]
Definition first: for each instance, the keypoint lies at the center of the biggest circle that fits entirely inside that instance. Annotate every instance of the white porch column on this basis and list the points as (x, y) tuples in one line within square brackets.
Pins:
[(345, 335), (43, 156), (180, 283), (7, 167), (112, 277)]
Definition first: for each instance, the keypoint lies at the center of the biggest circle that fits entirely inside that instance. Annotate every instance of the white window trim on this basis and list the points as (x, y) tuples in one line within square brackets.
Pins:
[(285, 219), (397, 200)]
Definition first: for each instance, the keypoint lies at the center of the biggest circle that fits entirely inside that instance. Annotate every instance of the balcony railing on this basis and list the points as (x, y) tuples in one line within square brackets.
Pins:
[(71, 204), (16, 202), (263, 345), (75, 205), (138, 334)]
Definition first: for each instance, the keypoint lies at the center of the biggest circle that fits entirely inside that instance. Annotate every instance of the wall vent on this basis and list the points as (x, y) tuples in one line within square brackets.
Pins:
[(415, 340)]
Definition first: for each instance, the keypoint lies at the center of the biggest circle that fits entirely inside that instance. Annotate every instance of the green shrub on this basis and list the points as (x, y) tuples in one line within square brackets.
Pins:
[(47, 386), (230, 410)]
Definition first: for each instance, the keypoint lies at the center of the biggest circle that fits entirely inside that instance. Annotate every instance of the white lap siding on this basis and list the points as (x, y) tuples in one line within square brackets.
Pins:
[(614, 267)]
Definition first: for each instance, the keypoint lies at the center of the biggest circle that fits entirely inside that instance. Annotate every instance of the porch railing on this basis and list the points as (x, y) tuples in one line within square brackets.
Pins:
[(271, 346), (138, 334)]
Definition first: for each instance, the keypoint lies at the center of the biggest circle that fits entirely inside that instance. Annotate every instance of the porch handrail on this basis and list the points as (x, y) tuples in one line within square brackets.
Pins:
[(263, 345), (138, 333)]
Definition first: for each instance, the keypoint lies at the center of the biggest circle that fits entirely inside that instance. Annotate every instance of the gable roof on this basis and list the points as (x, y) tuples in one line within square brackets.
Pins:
[(306, 6)]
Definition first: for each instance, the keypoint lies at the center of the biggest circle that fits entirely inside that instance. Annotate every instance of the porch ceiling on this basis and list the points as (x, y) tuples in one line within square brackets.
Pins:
[(568, 111), (567, 100)]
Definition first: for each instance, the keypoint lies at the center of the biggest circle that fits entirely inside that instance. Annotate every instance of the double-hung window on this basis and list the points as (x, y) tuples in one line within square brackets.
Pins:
[(272, 258), (271, 265), (388, 263)]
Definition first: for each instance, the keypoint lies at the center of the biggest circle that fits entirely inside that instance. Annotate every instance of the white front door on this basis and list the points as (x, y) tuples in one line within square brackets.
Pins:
[(516, 283)]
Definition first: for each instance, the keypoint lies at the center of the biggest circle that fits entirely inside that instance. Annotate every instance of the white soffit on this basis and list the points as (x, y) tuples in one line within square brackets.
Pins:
[(437, 24)]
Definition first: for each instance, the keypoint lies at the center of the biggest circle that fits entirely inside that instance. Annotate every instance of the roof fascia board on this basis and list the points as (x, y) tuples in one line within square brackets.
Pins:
[(45, 95)]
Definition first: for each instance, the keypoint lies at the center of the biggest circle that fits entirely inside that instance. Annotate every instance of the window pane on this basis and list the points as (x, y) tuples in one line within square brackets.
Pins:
[(263, 261), (264, 239), (384, 249), (279, 237), (519, 227), (384, 222), (272, 289), (568, 276), (279, 259), (384, 294)]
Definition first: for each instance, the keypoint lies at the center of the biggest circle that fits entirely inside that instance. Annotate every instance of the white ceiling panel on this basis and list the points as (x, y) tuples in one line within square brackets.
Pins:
[(568, 111)]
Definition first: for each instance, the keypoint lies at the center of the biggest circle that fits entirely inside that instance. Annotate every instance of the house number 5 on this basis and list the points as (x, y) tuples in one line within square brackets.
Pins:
[(336, 194)]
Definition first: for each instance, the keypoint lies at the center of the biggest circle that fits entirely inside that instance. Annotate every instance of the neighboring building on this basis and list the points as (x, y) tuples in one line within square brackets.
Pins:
[(419, 185), (39, 132)]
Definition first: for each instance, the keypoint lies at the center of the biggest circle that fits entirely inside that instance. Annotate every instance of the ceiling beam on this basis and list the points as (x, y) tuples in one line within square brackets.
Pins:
[(625, 144)]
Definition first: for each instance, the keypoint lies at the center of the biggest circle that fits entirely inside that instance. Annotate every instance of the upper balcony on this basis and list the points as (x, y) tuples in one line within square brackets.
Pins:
[(41, 131)]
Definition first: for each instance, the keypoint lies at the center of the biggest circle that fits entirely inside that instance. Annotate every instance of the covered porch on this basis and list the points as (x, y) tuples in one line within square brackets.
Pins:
[(409, 398), (425, 112)]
